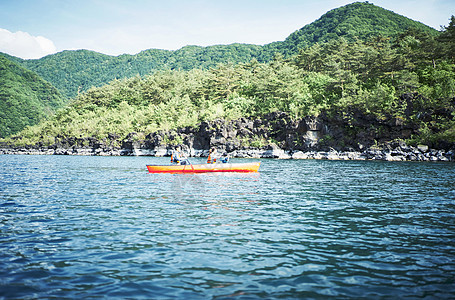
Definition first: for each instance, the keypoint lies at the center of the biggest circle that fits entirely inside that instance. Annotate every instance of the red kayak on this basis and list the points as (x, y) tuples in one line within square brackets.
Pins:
[(204, 168)]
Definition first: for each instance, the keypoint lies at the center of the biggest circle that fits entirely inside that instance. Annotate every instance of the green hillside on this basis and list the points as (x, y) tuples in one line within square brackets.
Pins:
[(75, 71), (355, 60), (25, 98), (401, 88), (360, 20)]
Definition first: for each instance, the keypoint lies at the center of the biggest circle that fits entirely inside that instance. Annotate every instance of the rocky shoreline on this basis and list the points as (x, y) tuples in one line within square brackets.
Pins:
[(401, 153), (276, 135)]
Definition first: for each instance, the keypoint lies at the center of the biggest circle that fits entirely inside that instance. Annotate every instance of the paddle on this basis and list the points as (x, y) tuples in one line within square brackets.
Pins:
[(186, 158)]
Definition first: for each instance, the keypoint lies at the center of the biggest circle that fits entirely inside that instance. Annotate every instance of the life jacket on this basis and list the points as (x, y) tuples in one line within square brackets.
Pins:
[(175, 158), (210, 160)]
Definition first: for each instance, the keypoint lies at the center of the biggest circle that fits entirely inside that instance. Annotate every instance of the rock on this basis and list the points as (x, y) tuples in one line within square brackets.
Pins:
[(390, 157), (299, 155), (218, 141), (311, 138), (422, 148), (60, 151), (313, 123), (232, 145), (274, 151), (333, 155), (161, 151)]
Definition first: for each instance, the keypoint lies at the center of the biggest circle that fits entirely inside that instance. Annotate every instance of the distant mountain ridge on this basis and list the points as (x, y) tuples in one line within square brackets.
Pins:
[(76, 71)]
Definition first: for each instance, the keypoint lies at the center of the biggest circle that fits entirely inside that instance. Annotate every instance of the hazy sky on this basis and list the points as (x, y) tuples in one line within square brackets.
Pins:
[(34, 28)]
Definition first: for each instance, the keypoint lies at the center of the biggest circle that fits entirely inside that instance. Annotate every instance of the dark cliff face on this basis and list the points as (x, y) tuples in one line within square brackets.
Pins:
[(347, 131), (350, 130), (346, 136)]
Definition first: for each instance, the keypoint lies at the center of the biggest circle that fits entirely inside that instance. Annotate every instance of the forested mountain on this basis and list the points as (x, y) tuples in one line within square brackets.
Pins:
[(360, 20), (25, 98), (358, 62), (375, 91), (76, 71)]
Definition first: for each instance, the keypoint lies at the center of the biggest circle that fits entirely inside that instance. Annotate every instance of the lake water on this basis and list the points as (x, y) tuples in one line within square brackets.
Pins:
[(102, 227)]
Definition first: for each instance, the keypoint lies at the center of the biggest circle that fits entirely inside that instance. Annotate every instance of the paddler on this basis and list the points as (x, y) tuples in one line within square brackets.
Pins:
[(212, 156), (225, 158), (176, 156)]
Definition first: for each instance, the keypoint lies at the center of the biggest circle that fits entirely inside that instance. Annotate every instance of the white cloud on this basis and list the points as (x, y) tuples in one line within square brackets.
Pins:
[(24, 45)]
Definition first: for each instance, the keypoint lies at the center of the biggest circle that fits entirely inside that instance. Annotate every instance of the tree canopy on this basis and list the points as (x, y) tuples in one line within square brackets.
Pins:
[(77, 71)]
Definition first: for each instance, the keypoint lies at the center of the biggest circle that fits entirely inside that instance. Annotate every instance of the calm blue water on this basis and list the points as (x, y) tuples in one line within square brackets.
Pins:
[(102, 227)]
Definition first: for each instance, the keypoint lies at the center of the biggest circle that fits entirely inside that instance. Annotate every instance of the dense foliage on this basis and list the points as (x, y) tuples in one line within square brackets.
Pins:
[(73, 72), (24, 98), (334, 78), (352, 22), (77, 71)]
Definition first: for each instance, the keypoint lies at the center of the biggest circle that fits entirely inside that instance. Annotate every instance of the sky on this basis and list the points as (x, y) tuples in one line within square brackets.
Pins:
[(31, 29)]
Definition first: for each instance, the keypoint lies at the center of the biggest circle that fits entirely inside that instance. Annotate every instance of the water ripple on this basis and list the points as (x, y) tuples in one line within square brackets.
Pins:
[(103, 227)]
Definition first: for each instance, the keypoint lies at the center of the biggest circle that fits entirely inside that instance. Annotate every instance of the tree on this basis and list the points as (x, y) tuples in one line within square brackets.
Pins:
[(447, 39)]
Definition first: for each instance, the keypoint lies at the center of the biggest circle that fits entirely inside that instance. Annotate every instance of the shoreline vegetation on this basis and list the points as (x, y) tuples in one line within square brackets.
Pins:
[(339, 88), (276, 135)]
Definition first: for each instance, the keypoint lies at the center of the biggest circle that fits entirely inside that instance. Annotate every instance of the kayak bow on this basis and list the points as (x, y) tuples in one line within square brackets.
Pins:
[(203, 168)]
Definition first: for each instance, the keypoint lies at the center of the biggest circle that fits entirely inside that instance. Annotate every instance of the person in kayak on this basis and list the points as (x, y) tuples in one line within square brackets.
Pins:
[(224, 158), (212, 156), (176, 156)]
